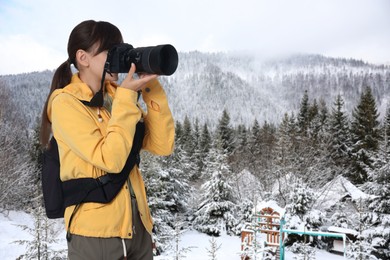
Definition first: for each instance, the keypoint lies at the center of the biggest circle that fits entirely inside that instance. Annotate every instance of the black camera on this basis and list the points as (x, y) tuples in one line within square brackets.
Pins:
[(160, 59)]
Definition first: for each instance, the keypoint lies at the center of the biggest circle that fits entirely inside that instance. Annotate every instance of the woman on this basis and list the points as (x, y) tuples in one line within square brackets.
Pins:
[(94, 140)]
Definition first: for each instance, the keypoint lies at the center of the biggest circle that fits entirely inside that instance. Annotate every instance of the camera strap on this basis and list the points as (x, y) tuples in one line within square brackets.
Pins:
[(98, 99)]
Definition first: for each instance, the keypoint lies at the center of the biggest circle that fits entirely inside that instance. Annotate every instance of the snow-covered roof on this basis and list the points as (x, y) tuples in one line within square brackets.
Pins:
[(354, 191), (269, 204), (343, 230), (335, 190)]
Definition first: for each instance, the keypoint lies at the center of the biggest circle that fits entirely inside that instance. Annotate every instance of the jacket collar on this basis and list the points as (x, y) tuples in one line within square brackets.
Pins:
[(80, 91)]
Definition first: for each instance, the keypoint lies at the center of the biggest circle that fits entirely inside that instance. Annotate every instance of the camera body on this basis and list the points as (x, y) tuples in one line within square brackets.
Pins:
[(160, 59)]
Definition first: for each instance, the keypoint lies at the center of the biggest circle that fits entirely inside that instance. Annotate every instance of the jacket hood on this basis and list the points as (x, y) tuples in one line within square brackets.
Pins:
[(79, 90)]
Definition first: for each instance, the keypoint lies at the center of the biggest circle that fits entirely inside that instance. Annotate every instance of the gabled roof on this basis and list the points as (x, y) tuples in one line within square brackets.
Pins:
[(269, 204), (335, 190)]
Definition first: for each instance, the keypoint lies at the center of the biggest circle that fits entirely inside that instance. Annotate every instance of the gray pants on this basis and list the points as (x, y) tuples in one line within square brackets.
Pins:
[(137, 248)]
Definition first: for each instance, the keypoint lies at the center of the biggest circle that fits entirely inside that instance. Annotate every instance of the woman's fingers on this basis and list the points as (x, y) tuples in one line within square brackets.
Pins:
[(136, 84)]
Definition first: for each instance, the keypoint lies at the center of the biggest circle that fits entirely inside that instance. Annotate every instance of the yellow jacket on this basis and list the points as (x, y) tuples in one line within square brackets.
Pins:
[(89, 147)]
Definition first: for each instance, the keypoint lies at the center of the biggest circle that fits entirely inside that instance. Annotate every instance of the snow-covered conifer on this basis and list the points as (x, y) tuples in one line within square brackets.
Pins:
[(339, 130), (365, 135), (216, 211), (225, 133)]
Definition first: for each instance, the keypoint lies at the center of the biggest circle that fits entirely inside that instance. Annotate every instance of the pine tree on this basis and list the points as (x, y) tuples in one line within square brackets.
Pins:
[(293, 132), (268, 140), (44, 235), (304, 115), (365, 136), (225, 132), (299, 210), (300, 200), (313, 110), (188, 145), (205, 140), (216, 209), (255, 151), (167, 191), (36, 149), (178, 251), (179, 132), (155, 181), (285, 156), (378, 215), (188, 140), (318, 116), (283, 147), (324, 116), (339, 130), (386, 133), (242, 133), (214, 247), (314, 123), (197, 156), (309, 159), (363, 247), (204, 148), (240, 157), (244, 215)]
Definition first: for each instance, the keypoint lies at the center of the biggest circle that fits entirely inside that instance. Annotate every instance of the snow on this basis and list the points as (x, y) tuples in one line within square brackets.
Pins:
[(343, 230), (198, 243), (335, 190), (229, 250), (355, 193), (10, 232), (269, 204)]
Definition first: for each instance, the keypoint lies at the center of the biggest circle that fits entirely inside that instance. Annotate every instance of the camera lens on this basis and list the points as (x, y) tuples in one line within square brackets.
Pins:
[(160, 59), (163, 59)]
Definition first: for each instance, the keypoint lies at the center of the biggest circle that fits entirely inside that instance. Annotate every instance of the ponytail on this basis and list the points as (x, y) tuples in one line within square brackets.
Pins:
[(61, 78), (83, 37)]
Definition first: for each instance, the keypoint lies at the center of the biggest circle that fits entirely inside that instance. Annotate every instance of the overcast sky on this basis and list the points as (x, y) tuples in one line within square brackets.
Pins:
[(34, 33)]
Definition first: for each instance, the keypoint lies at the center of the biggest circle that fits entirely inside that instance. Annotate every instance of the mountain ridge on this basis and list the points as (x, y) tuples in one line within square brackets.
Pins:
[(249, 88)]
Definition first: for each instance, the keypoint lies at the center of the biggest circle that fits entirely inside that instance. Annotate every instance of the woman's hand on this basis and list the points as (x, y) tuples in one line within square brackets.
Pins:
[(136, 84)]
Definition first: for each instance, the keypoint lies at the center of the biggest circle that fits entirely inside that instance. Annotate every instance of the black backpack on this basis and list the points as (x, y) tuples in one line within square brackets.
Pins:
[(58, 195)]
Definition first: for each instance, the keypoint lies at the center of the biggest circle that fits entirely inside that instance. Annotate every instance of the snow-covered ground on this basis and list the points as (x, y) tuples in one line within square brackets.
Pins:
[(10, 232), (199, 244)]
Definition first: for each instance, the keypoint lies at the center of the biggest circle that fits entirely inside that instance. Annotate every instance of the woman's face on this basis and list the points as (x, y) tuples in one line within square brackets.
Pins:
[(97, 66), (93, 71)]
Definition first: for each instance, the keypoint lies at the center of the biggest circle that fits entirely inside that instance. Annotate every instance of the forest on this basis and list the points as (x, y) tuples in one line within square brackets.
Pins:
[(246, 131)]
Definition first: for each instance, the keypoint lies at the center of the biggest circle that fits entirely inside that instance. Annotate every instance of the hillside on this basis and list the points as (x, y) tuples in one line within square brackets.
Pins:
[(249, 88)]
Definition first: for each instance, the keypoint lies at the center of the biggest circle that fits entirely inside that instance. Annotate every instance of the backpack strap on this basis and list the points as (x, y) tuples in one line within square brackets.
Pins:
[(104, 188)]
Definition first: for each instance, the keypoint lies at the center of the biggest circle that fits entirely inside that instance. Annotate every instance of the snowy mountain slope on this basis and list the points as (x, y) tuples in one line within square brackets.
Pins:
[(265, 90), (249, 88)]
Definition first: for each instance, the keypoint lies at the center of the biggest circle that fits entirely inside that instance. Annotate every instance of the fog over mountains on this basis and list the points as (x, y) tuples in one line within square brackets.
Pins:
[(247, 87)]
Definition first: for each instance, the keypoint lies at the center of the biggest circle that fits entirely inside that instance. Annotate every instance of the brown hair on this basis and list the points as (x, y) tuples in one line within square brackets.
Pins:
[(83, 37)]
